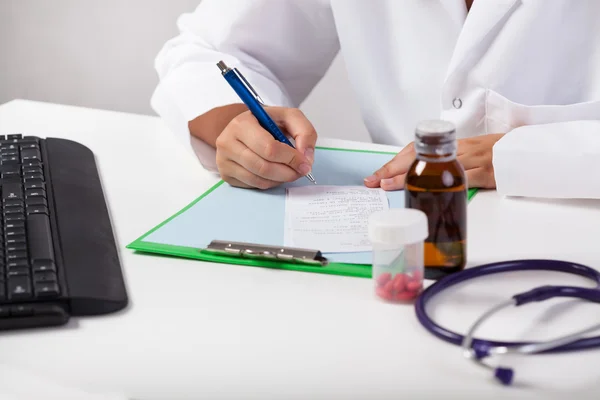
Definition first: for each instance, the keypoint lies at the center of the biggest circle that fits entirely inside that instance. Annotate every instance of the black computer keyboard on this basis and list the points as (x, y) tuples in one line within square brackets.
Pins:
[(60, 257)]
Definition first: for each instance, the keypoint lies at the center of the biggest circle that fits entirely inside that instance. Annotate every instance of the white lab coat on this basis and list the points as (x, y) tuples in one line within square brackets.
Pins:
[(528, 68)]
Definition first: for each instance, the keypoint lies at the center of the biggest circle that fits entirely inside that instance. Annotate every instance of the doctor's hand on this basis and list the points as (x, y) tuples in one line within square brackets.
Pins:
[(249, 157), (475, 155)]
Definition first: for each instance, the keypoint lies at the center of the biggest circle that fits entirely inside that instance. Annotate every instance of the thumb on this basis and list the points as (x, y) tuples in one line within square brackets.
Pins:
[(295, 123), (398, 165)]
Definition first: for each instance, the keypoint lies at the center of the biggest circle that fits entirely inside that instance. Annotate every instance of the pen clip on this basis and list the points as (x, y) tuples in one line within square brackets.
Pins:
[(249, 86)]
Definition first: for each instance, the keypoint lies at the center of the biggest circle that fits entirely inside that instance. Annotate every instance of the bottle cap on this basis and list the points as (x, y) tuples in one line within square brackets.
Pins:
[(398, 226), (435, 137)]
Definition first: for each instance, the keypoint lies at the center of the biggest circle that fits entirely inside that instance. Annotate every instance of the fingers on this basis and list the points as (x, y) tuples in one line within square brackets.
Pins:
[(466, 145), (392, 174), (295, 123), (394, 183), (247, 158), (474, 154), (477, 158), (238, 176), (471, 161), (259, 141), (481, 177)]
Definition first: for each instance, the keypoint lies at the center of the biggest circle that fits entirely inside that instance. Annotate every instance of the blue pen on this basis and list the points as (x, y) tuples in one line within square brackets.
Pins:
[(253, 101)]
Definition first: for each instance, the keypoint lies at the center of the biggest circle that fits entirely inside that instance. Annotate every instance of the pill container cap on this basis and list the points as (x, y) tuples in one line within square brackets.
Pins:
[(398, 226)]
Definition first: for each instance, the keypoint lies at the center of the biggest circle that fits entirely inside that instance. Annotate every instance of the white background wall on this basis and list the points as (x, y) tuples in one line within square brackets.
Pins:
[(99, 54)]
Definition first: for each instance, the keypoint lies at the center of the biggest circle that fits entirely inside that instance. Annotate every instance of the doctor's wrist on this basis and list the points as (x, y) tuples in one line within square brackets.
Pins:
[(208, 126)]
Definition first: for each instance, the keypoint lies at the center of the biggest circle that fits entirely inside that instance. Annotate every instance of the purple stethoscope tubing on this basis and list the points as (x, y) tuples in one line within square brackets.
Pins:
[(481, 347)]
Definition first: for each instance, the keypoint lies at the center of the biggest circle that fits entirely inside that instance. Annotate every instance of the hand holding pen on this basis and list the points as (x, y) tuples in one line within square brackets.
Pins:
[(253, 152)]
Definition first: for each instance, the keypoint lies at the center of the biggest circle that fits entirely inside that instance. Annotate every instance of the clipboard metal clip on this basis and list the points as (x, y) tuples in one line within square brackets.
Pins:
[(257, 251)]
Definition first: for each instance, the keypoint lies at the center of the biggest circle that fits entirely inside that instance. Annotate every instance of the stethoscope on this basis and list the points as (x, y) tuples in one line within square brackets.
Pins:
[(478, 350)]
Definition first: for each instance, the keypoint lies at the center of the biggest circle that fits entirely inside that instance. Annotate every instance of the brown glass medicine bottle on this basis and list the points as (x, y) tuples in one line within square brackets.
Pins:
[(436, 184)]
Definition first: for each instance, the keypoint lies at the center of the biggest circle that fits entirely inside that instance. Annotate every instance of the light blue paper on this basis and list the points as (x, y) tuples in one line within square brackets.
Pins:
[(254, 216)]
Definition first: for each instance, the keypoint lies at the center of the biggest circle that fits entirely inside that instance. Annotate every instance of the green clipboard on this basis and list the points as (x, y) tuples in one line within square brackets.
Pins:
[(355, 163)]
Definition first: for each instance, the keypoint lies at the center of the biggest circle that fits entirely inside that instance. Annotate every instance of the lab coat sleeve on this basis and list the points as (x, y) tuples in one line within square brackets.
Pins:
[(283, 48), (555, 160)]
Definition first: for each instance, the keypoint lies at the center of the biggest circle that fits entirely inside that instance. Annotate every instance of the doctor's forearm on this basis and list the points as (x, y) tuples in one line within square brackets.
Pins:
[(208, 126)]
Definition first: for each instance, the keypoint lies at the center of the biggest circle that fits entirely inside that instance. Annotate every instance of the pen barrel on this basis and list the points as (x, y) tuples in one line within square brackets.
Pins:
[(255, 107)]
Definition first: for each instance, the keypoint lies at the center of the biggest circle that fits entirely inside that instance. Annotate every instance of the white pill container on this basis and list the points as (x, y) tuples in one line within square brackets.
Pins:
[(397, 237)]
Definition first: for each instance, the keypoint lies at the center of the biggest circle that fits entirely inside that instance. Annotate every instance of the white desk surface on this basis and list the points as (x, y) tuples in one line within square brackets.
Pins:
[(197, 330)]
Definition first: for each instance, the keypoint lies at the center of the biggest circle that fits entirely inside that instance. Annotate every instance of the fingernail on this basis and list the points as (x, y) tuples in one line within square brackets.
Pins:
[(388, 181), (371, 179), (310, 154), (304, 169)]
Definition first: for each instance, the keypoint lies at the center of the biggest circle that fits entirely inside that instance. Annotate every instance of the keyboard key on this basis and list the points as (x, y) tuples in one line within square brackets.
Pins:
[(36, 201), (35, 184), (9, 168), (13, 202), (15, 224), (21, 271), (13, 217), (47, 289), (15, 240), (12, 191), (15, 255), (44, 276), (35, 193), (32, 163), (2, 292), (21, 310), (32, 171), (3, 309), (9, 146), (13, 210), (30, 154), (16, 247), (23, 262), (14, 136), (37, 210), (29, 146), (41, 266), (8, 176), (19, 287), (10, 232), (39, 236), (9, 160), (10, 179), (29, 140), (33, 177), (9, 153)]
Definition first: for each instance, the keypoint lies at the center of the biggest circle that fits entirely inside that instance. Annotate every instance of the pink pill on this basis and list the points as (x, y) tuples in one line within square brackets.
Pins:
[(381, 292), (389, 287), (403, 296), (414, 286), (383, 279), (417, 276), (399, 282)]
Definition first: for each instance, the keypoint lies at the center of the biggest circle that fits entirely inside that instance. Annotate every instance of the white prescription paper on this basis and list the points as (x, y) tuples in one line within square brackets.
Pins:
[(332, 219)]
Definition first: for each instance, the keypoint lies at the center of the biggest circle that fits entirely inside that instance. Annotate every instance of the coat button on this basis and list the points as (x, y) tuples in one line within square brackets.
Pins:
[(457, 103)]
